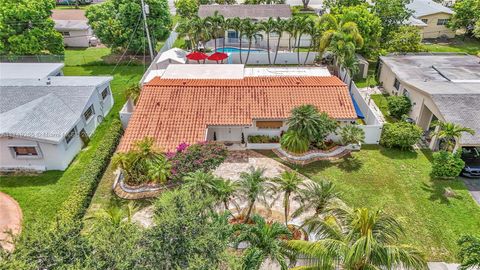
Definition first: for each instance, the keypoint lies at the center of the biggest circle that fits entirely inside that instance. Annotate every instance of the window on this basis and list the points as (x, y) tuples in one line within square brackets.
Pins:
[(89, 113), (425, 21), (23, 151), (442, 21), (104, 93), (269, 124), (396, 84), (65, 34), (70, 135)]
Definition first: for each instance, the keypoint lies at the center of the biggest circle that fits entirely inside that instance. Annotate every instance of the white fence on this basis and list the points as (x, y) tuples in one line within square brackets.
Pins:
[(283, 58), (374, 123)]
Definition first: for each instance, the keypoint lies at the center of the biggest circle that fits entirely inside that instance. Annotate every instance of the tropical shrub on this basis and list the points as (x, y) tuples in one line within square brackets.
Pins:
[(469, 251), (352, 134), (446, 164), (401, 135), (143, 164), (75, 205), (405, 39), (263, 139), (398, 106), (305, 119), (204, 156), (294, 142), (326, 126)]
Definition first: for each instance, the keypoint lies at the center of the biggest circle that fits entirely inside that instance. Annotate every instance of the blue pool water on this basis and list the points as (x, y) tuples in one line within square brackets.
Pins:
[(236, 50)]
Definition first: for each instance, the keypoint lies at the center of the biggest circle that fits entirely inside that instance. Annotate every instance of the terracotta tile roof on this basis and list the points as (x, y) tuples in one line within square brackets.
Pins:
[(179, 110)]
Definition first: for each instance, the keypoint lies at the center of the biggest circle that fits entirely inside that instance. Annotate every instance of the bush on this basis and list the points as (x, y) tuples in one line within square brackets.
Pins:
[(294, 142), (446, 164), (398, 106), (352, 134), (263, 139), (204, 156), (186, 8), (75, 205), (401, 135)]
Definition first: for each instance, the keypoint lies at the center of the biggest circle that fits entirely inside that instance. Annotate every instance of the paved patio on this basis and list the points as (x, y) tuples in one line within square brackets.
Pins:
[(10, 220)]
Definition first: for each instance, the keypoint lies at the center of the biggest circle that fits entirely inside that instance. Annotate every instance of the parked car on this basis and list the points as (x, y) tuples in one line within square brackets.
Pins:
[(471, 156), (72, 2)]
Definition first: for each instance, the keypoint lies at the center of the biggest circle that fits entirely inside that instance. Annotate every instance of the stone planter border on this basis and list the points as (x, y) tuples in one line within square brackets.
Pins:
[(128, 192), (316, 155)]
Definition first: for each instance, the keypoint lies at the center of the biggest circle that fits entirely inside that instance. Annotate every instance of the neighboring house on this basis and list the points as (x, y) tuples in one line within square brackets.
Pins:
[(74, 27), (191, 103), (441, 87), (30, 71), (432, 18), (255, 13), (46, 121)]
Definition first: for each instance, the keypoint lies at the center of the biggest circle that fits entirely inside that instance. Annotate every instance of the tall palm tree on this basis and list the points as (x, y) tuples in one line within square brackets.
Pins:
[(216, 25), (305, 119), (364, 240), (268, 27), (237, 25), (195, 29), (225, 190), (279, 28), (450, 133), (253, 186), (250, 30), (289, 28), (301, 25), (200, 181), (342, 38), (288, 183), (265, 241), (312, 30)]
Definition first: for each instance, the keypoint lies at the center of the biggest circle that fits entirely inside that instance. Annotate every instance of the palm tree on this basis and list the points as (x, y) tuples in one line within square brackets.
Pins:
[(225, 190), (268, 27), (253, 186), (450, 133), (133, 92), (265, 241), (289, 183), (279, 27), (237, 25), (289, 27), (160, 170), (293, 141), (200, 181), (250, 30), (305, 119), (216, 25), (352, 134), (314, 33), (342, 38), (364, 240), (322, 199), (301, 25)]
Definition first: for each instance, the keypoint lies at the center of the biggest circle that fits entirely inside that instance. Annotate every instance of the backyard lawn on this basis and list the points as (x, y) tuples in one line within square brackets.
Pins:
[(381, 102), (399, 183), (469, 45), (41, 196)]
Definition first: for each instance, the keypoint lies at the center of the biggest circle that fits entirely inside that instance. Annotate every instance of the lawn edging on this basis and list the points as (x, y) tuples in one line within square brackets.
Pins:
[(75, 206)]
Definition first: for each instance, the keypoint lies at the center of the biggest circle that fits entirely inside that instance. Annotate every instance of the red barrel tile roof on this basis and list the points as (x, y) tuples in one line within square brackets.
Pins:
[(180, 110)]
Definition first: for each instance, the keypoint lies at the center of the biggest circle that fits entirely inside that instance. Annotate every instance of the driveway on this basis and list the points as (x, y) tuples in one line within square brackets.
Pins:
[(10, 220), (473, 185)]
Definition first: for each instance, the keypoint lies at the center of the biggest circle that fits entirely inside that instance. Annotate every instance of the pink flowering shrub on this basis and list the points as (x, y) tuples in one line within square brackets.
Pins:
[(204, 156)]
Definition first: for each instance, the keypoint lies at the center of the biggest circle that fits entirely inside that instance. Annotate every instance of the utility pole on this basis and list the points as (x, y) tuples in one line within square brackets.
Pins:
[(145, 12)]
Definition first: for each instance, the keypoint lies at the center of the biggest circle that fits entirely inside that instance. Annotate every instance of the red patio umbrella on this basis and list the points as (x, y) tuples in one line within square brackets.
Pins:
[(218, 56), (197, 56)]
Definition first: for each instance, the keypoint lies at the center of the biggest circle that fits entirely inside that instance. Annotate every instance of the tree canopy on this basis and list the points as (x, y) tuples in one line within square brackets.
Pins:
[(466, 16), (26, 28), (392, 13), (406, 38), (118, 23)]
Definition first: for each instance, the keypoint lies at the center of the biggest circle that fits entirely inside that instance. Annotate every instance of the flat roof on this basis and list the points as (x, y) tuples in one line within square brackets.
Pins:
[(203, 71), (243, 11), (28, 70)]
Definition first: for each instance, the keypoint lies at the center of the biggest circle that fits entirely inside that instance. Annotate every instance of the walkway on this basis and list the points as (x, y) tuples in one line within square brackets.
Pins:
[(10, 220), (473, 185)]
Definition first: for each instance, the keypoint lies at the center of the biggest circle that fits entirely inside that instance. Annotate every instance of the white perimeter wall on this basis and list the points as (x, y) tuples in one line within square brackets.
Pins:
[(261, 58)]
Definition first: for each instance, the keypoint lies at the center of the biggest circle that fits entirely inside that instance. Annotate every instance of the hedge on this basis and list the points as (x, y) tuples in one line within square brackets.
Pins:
[(76, 204), (447, 165)]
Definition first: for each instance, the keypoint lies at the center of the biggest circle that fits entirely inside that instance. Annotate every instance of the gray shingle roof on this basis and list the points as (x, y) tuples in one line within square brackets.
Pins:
[(61, 25), (32, 109), (28, 70), (259, 12), (422, 8), (463, 110)]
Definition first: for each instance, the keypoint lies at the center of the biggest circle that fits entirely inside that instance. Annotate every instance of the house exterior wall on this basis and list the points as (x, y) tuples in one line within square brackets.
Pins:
[(77, 38), (432, 30), (56, 156)]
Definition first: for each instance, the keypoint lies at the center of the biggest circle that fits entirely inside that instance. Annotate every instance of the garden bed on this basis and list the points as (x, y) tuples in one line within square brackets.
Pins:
[(148, 190)]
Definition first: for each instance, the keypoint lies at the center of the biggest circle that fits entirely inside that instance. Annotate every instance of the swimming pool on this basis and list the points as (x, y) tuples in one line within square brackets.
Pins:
[(237, 50)]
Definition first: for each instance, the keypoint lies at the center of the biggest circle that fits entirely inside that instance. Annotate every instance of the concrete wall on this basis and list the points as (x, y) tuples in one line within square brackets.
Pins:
[(78, 38), (283, 58), (432, 30)]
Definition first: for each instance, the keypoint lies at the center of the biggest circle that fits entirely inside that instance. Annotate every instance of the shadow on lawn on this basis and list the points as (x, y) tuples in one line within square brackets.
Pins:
[(398, 154), (438, 189), (19, 180)]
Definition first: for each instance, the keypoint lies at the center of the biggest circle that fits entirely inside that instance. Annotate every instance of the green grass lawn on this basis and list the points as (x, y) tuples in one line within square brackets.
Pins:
[(381, 102), (42, 195), (399, 183), (469, 45), (86, 56)]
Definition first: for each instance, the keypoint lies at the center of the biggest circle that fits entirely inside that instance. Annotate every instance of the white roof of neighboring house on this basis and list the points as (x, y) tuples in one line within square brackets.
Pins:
[(70, 19), (175, 54), (29, 70), (415, 22), (286, 72), (61, 25), (31, 108), (422, 8), (246, 11)]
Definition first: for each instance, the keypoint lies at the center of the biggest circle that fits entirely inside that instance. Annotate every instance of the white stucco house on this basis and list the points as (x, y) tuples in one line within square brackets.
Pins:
[(431, 18), (74, 27), (44, 122)]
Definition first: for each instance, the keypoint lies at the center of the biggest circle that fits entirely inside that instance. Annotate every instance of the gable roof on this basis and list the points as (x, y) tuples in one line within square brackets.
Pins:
[(422, 8), (32, 109), (180, 110), (242, 11), (29, 70), (71, 19)]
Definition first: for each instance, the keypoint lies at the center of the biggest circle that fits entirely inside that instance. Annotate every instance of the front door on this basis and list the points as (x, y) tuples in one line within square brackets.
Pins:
[(84, 137)]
